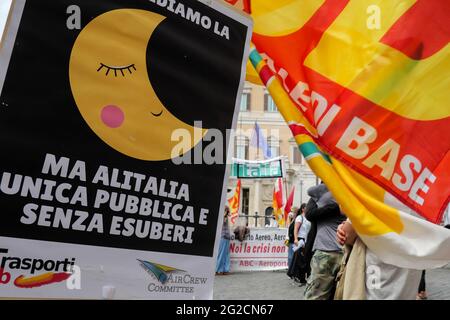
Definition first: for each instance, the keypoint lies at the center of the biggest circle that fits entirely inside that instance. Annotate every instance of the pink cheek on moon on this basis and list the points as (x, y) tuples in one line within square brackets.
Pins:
[(112, 116)]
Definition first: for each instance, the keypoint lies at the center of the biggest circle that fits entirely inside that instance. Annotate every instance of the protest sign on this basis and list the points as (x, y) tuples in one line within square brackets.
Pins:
[(262, 250), (95, 96)]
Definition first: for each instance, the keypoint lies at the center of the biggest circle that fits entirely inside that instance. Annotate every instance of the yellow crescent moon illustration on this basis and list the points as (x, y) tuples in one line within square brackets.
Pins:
[(111, 87)]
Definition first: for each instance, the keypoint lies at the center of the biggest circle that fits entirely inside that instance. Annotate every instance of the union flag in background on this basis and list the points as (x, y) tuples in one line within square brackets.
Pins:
[(234, 203), (368, 106), (278, 202), (288, 206)]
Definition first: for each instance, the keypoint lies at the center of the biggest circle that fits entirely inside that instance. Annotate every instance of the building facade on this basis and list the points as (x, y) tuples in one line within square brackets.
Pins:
[(257, 106)]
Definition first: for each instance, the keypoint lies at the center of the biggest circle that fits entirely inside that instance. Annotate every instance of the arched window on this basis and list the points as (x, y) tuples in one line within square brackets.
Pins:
[(268, 213)]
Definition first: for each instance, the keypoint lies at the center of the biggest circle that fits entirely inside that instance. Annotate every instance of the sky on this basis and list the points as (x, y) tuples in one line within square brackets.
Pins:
[(4, 9)]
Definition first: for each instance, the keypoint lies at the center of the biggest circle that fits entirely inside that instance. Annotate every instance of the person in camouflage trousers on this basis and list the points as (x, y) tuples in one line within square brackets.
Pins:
[(323, 210), (324, 268)]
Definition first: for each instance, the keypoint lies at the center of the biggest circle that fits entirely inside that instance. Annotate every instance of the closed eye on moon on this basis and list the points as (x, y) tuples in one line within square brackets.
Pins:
[(157, 114), (117, 69)]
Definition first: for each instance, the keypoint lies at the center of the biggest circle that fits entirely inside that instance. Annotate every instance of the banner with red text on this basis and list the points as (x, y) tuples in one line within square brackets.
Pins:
[(371, 79), (262, 250)]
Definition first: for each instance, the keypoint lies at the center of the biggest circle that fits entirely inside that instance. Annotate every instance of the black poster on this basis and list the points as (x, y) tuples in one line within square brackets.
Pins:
[(87, 120)]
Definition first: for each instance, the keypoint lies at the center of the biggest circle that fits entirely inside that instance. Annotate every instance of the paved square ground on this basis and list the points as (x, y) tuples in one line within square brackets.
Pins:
[(275, 285)]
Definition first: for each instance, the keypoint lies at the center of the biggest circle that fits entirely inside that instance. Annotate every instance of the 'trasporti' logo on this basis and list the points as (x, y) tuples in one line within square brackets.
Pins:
[(159, 271), (56, 270)]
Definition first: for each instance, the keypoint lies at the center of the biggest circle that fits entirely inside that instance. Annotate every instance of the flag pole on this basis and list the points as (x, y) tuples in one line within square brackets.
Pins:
[(240, 201), (257, 142), (285, 188)]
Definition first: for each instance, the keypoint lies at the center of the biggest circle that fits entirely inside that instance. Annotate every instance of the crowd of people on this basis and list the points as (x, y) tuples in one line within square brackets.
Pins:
[(337, 263), (327, 258)]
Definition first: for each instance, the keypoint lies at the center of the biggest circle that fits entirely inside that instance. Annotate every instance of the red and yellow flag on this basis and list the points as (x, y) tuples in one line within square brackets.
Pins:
[(367, 103), (234, 202), (278, 202), (289, 202)]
